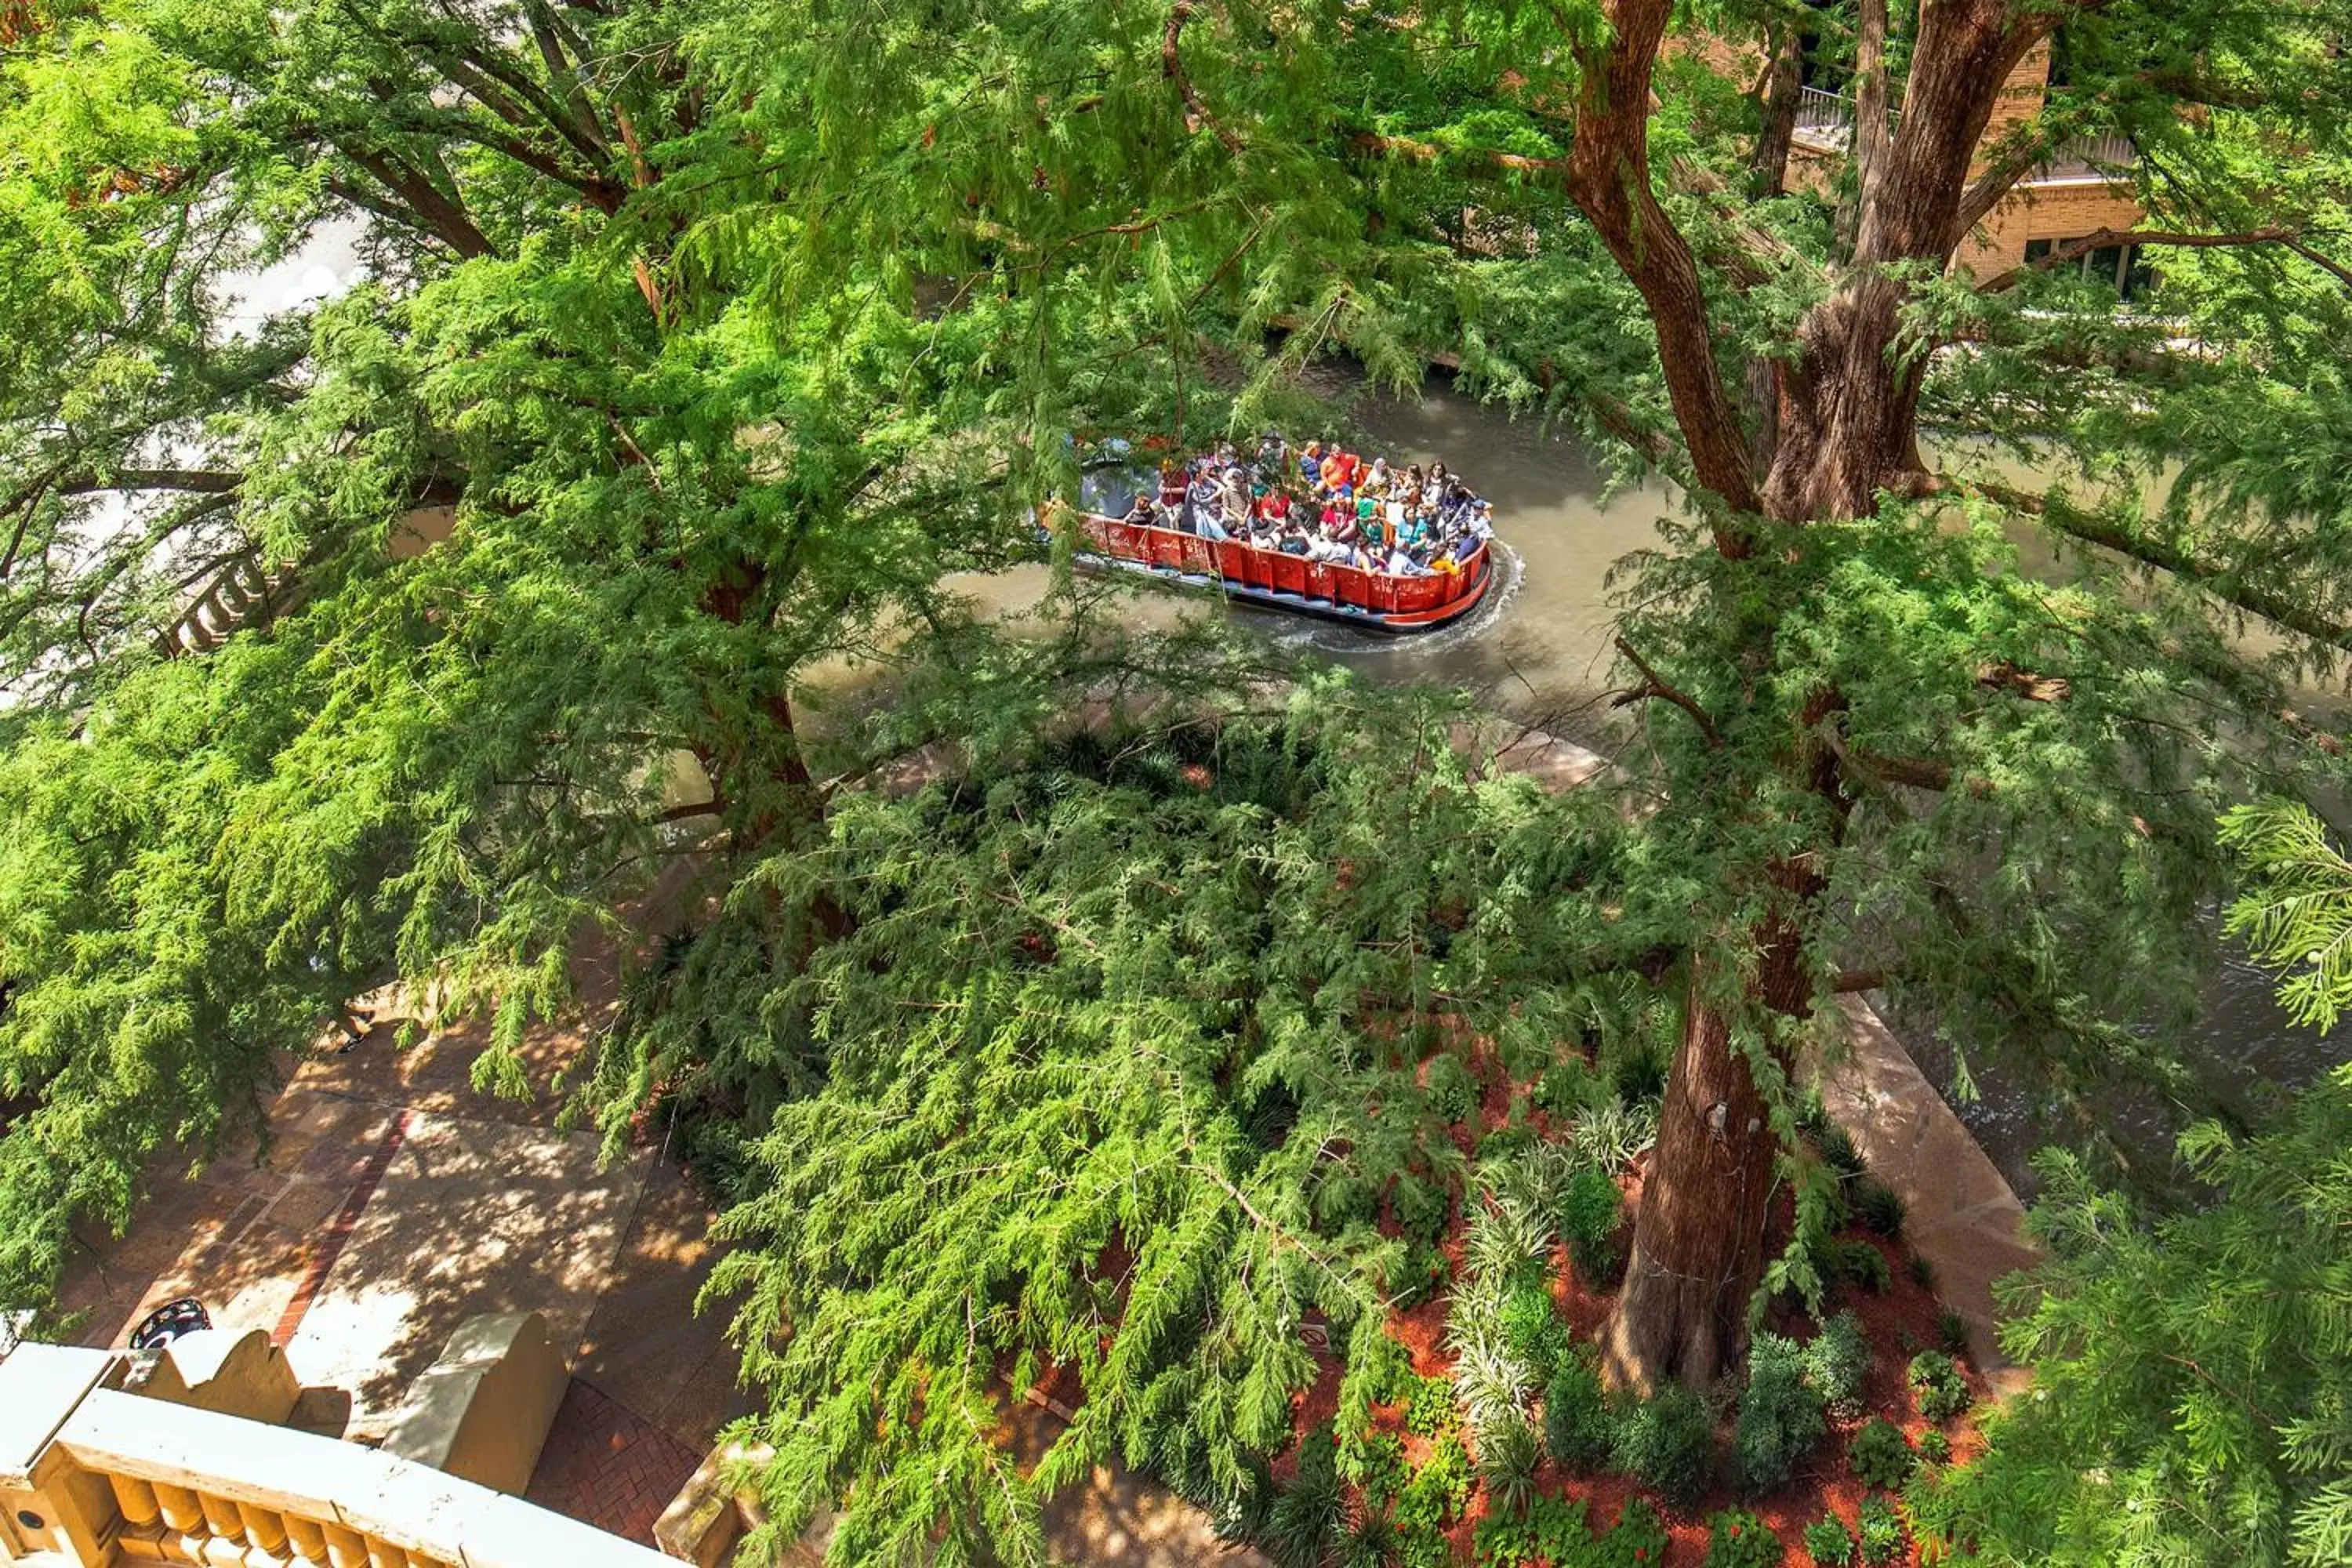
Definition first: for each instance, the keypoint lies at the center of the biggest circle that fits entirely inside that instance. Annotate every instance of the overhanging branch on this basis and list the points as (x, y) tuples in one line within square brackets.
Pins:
[(2075, 250)]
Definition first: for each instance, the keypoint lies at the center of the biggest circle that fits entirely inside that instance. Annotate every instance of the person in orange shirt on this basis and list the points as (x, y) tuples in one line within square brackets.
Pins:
[(1337, 471)]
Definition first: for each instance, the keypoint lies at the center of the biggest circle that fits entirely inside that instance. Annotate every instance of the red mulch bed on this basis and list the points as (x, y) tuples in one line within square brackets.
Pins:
[(1898, 1324)]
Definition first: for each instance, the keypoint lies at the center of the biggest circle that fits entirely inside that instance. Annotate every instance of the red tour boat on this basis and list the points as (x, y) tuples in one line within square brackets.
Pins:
[(1277, 580)]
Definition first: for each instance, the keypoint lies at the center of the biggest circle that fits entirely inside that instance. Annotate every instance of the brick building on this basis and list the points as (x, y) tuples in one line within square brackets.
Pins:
[(2085, 188)]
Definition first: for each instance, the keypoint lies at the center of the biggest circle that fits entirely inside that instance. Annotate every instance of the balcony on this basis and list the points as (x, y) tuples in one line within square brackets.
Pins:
[(1825, 125), (93, 1475)]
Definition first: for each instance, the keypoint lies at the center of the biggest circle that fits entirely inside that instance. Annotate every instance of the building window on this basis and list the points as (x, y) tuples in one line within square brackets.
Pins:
[(2122, 267)]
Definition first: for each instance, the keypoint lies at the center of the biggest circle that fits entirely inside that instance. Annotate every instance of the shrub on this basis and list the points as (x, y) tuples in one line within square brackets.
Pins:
[(1374, 1461), (1305, 1518), (1952, 1331), (1420, 1272), (1856, 1262), (1567, 1087), (1837, 1361), (1935, 1448), (1737, 1540), (1936, 1381), (1881, 1531), (1591, 1216), (1780, 1416), (1637, 1540), (1877, 1206), (1828, 1543), (1922, 1272), (1533, 1331), (1438, 1492), (1880, 1456), (1668, 1443), (1837, 1148), (1508, 1453), (1453, 1093), (1636, 1066), (1551, 1530), (1430, 1409), (1579, 1425), (1370, 1542), (1422, 1208)]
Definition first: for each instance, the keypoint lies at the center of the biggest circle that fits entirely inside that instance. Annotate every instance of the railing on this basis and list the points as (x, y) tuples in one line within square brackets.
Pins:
[(244, 591), (95, 1476), (1823, 116), (2088, 158), (1825, 120)]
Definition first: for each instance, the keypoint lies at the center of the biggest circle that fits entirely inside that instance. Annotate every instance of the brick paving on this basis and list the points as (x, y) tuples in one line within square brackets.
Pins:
[(606, 1465), (330, 1245)]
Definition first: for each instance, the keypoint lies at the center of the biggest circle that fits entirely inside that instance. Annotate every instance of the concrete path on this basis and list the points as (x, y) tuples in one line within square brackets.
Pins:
[(1959, 1214)]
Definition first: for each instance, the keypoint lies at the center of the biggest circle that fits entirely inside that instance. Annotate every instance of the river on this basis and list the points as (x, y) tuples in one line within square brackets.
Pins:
[(1538, 650)]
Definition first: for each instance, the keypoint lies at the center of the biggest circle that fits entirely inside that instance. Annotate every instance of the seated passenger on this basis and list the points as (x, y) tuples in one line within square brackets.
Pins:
[(1335, 471), (1367, 520), (1400, 564)]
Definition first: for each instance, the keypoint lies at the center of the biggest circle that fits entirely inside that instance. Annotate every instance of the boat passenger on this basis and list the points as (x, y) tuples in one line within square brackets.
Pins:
[(1367, 520), (1400, 564)]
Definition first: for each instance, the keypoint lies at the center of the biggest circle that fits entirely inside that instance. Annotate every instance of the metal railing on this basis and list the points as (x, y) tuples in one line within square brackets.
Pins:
[(2088, 158), (1825, 120)]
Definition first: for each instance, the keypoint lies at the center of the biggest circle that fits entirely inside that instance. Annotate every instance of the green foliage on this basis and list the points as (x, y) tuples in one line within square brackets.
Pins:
[(1429, 1408), (1838, 1149), (2190, 1369), (1935, 1448), (1737, 1539), (1828, 1543), (1508, 1452), (1938, 1386), (1882, 1536), (1880, 1455), (1452, 1091), (1667, 1443), (1310, 1514), (1373, 1461), (1551, 1530), (1533, 1329), (1591, 1219), (1568, 1088), (1854, 1261), (2297, 912), (1837, 1363), (1779, 1419), (1579, 1428), (1422, 1208), (1438, 1492), (1952, 1331), (1878, 1207), (1637, 1540)]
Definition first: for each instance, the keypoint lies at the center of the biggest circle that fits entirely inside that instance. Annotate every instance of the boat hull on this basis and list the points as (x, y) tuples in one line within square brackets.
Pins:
[(1289, 584)]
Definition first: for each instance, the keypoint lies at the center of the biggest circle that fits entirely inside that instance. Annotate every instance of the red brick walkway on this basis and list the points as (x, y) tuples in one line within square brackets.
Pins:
[(607, 1465)]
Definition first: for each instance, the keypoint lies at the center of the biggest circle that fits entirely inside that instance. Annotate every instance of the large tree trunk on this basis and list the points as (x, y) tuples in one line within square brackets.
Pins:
[(1833, 426), (1698, 1242)]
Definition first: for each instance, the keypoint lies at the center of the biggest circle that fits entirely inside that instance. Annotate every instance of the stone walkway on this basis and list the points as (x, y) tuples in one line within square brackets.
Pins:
[(395, 1201), (1959, 1214)]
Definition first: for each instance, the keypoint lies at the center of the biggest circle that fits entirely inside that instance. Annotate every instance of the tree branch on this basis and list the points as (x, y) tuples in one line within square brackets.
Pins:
[(1609, 179), (1659, 686), (2076, 250), (196, 481), (1171, 66), (2211, 576)]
